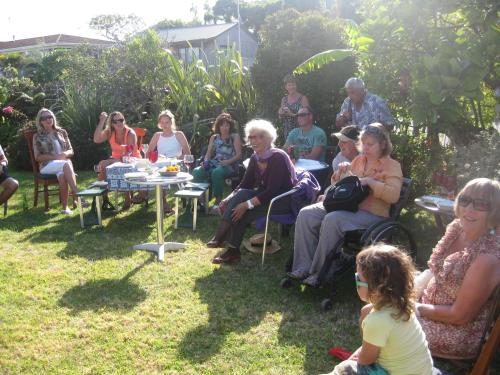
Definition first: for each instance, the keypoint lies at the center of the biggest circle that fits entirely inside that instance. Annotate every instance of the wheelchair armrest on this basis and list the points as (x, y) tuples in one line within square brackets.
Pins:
[(286, 194)]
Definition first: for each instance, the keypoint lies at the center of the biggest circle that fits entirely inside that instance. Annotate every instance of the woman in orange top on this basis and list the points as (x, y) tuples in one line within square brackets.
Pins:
[(113, 129), (317, 231)]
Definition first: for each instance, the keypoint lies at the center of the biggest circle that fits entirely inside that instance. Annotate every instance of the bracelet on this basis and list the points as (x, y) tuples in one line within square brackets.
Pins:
[(250, 204)]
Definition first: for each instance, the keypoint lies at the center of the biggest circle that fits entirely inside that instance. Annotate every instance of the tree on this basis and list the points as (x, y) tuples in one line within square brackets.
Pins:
[(288, 38), (116, 27)]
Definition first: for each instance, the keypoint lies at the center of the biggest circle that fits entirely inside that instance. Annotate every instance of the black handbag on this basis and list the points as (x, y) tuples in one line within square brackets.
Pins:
[(345, 195)]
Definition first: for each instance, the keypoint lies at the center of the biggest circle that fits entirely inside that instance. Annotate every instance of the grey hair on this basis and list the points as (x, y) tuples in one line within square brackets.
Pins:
[(261, 126), (355, 83)]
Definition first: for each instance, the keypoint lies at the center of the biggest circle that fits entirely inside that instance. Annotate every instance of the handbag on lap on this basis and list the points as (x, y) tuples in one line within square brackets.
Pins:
[(345, 195)]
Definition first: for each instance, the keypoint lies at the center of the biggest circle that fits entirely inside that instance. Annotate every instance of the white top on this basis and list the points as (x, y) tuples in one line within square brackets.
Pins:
[(169, 146), (340, 158)]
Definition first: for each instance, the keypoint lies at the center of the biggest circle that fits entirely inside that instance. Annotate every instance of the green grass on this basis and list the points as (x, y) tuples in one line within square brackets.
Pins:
[(76, 301)]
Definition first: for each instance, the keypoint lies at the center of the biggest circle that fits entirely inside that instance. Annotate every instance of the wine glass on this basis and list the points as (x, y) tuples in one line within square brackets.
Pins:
[(188, 160), (145, 148)]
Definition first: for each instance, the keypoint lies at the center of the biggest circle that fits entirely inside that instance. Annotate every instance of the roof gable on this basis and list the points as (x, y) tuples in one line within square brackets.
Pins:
[(183, 34)]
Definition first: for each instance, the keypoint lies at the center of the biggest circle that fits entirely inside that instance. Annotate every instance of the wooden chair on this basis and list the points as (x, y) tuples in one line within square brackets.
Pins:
[(491, 339), (41, 181)]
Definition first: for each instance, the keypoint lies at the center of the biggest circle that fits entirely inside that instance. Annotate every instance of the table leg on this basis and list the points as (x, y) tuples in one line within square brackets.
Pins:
[(98, 200), (80, 208), (160, 246)]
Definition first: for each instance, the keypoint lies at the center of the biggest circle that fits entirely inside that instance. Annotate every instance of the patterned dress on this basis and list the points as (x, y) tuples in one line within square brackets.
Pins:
[(447, 340), (290, 122)]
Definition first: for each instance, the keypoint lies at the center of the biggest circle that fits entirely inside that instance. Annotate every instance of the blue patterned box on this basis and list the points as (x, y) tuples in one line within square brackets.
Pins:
[(115, 176)]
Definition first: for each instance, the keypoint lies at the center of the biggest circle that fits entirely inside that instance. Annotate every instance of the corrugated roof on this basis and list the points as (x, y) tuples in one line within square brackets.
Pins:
[(182, 34), (56, 39)]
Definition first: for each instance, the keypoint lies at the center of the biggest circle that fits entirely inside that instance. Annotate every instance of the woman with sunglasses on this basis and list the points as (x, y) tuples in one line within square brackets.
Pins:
[(465, 270), (53, 150), (317, 231), (121, 137), (270, 173)]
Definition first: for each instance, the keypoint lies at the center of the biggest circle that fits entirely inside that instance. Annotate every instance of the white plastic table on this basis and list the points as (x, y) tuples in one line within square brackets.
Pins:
[(160, 246)]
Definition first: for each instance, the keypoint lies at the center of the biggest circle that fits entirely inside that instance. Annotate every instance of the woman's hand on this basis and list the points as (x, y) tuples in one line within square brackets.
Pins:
[(343, 170), (239, 211), (366, 181), (102, 118), (225, 162)]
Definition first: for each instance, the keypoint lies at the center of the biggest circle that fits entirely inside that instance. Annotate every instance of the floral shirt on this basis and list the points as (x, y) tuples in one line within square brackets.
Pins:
[(373, 109), (447, 340), (43, 143)]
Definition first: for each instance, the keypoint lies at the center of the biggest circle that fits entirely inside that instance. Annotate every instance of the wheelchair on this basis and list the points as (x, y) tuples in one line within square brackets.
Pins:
[(343, 254)]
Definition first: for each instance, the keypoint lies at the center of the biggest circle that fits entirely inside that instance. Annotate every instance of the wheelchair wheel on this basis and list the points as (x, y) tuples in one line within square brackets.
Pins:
[(397, 235), (326, 304)]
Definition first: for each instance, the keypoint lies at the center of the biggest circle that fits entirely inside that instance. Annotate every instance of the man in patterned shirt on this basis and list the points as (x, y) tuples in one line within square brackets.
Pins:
[(362, 108)]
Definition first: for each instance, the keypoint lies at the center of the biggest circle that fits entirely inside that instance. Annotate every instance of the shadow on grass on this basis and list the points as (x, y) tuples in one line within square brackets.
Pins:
[(105, 294), (240, 297)]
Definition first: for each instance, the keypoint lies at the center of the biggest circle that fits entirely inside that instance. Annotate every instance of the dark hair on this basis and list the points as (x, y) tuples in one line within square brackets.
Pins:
[(389, 273), (110, 119), (220, 119)]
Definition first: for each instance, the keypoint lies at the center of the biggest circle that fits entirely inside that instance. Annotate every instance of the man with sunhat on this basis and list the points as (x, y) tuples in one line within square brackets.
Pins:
[(347, 136)]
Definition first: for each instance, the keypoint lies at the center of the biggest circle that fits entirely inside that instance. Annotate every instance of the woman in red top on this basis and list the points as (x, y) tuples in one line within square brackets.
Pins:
[(114, 129)]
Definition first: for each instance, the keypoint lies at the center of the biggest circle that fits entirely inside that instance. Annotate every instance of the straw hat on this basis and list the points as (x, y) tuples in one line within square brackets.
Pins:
[(254, 244)]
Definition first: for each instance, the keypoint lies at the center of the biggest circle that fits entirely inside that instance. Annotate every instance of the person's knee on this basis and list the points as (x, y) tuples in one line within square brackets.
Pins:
[(218, 173)]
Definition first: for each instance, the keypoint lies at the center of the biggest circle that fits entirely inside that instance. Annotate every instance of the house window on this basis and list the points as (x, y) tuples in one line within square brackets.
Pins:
[(189, 54)]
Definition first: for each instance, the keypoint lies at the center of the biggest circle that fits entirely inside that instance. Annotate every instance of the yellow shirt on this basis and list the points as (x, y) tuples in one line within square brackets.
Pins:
[(389, 178), (403, 347)]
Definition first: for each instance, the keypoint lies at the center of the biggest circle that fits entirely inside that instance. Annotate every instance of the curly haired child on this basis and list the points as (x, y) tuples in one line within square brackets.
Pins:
[(393, 340)]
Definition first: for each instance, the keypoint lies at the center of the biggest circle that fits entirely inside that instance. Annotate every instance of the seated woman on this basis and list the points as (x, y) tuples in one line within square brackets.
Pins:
[(8, 184), (317, 231), (170, 142), (53, 151), (465, 266), (114, 130), (221, 159), (270, 173)]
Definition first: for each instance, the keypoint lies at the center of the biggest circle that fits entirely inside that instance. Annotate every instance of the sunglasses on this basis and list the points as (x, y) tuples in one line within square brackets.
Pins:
[(303, 114), (478, 204), (360, 283), (118, 120), (45, 117)]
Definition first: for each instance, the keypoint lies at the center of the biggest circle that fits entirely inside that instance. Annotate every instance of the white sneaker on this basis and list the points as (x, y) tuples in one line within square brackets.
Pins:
[(66, 211)]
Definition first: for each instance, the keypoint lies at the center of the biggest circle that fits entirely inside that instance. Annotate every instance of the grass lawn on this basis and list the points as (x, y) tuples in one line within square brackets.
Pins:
[(76, 301)]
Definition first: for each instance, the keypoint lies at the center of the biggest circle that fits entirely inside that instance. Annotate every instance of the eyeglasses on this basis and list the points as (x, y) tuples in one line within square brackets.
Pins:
[(303, 114), (118, 120), (360, 283), (45, 117), (478, 204)]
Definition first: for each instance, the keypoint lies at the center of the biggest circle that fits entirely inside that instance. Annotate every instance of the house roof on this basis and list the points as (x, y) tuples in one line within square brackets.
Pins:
[(183, 34), (56, 40)]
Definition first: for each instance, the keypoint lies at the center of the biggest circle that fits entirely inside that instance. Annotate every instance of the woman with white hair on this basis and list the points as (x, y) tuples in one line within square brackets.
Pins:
[(53, 151), (270, 173)]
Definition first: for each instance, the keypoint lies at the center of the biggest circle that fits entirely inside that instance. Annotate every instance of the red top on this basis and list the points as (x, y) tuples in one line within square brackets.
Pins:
[(117, 150)]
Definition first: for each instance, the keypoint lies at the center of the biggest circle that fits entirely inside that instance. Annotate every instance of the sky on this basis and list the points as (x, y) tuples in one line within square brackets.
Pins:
[(32, 18)]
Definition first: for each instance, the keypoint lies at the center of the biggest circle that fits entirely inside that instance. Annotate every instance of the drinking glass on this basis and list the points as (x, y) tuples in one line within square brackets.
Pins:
[(153, 156), (145, 148), (188, 160)]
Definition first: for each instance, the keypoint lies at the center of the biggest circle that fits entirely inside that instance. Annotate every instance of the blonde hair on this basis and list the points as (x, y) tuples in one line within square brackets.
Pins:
[(38, 122), (261, 126), (389, 273), (487, 189), (170, 115), (110, 118), (380, 133)]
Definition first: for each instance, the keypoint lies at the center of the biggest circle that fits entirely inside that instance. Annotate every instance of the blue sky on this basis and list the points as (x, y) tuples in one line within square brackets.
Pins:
[(31, 18)]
